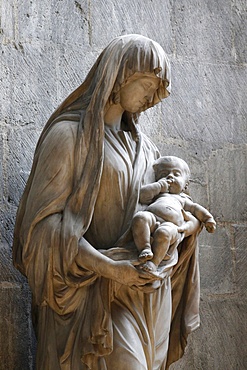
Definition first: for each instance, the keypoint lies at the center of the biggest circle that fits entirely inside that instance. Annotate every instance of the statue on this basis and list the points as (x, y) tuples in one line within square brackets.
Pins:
[(162, 219), (93, 307)]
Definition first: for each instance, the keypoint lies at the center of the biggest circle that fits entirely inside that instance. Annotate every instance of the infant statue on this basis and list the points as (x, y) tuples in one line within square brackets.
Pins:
[(158, 228)]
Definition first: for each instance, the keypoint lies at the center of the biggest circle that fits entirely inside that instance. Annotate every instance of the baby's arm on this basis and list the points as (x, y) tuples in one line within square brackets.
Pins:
[(149, 191), (202, 214)]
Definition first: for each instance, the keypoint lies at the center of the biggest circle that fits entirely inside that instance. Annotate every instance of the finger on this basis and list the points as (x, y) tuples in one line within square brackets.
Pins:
[(139, 284), (145, 277), (151, 276), (135, 263)]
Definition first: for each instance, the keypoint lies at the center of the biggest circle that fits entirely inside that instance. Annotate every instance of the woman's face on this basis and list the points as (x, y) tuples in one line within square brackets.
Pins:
[(138, 91)]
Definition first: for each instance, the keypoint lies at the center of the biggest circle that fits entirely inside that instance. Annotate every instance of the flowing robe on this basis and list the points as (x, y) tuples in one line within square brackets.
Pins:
[(83, 320)]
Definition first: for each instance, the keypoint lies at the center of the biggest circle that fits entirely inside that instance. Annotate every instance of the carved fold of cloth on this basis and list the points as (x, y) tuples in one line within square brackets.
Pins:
[(84, 321)]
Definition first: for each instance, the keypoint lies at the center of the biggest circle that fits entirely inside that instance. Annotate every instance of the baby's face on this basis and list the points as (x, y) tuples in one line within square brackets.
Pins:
[(176, 177)]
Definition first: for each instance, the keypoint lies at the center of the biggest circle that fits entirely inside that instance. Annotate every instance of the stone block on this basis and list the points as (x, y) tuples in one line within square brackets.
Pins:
[(228, 183), (16, 347), (2, 163), (131, 17), (26, 21), (241, 274), (207, 35), (7, 217), (217, 264), (239, 50), (17, 339), (8, 273), (16, 172), (240, 237), (220, 343), (19, 161), (199, 112), (29, 85)]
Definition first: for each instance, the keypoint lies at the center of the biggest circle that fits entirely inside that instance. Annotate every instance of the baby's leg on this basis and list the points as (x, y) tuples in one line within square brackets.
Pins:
[(163, 237), (143, 224)]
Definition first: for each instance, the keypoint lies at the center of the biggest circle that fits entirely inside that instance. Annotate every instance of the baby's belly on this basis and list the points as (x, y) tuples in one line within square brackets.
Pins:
[(167, 213)]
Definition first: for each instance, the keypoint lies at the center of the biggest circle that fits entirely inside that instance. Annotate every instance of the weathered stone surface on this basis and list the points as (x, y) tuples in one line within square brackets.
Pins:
[(16, 339), (2, 167), (54, 21), (209, 106), (239, 33), (24, 140), (240, 238), (228, 183), (132, 17), (222, 337), (210, 19), (217, 265)]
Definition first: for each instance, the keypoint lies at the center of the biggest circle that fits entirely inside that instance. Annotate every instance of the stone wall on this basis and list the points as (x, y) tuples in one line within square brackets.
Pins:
[(47, 47)]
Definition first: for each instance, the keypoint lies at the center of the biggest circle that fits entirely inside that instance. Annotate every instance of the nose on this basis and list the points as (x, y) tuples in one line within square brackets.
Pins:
[(169, 178)]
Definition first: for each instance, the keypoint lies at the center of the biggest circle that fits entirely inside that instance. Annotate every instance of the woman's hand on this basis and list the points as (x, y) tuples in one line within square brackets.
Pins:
[(191, 224), (124, 272)]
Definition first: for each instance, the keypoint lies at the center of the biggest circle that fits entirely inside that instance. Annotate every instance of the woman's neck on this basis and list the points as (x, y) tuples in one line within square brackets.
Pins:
[(113, 116)]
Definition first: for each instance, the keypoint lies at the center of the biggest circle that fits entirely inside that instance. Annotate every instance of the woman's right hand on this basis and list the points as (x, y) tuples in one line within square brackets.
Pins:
[(124, 272)]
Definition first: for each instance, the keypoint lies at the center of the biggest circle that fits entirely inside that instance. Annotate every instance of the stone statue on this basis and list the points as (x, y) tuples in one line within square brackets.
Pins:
[(93, 308), (162, 219)]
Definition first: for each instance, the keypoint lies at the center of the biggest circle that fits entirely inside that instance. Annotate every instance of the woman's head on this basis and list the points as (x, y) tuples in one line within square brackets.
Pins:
[(122, 58), (137, 55)]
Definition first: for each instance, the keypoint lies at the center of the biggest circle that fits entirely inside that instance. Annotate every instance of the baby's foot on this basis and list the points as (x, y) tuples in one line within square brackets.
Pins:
[(146, 254), (148, 266)]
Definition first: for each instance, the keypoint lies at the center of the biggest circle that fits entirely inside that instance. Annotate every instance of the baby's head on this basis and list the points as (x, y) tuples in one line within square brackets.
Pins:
[(176, 172)]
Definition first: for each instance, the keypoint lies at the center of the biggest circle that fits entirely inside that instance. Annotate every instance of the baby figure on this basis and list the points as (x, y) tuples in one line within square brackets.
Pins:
[(165, 213)]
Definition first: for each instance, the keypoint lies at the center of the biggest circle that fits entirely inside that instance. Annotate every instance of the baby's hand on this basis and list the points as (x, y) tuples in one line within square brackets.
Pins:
[(147, 193), (150, 191), (164, 185), (210, 225)]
